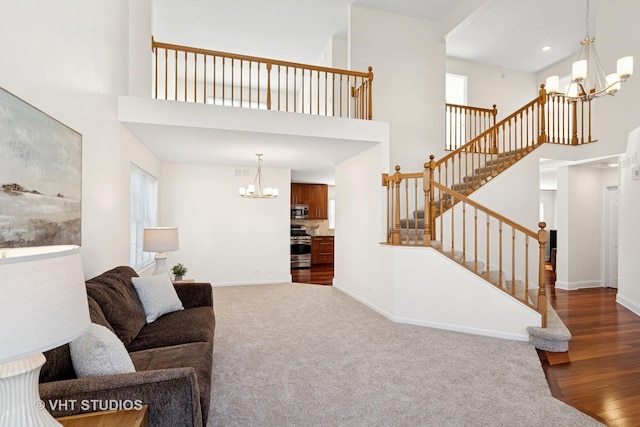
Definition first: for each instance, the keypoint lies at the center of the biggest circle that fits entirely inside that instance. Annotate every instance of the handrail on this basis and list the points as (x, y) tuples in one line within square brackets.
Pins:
[(208, 76), (463, 122)]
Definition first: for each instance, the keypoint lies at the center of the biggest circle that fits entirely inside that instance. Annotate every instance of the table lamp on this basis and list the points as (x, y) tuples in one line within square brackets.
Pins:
[(43, 305), (160, 240)]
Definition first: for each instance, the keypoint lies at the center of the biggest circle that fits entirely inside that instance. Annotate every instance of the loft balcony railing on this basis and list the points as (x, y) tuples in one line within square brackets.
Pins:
[(189, 74), (463, 123)]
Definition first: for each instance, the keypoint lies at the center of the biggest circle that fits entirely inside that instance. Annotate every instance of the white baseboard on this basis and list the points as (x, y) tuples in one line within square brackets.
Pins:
[(627, 303), (572, 286), (363, 301), (261, 282), (435, 325)]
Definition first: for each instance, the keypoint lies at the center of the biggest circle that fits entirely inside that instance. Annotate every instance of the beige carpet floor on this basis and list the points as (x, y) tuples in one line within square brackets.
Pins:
[(308, 355)]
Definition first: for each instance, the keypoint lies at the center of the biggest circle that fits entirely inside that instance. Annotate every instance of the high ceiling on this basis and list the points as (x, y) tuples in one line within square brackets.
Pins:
[(504, 33)]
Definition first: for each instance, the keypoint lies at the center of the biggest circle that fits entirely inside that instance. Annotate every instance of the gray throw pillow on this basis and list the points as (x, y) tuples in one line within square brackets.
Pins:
[(157, 294), (99, 352)]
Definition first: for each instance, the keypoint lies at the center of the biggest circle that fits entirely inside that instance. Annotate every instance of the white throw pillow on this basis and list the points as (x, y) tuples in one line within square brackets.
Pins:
[(157, 294), (99, 352)]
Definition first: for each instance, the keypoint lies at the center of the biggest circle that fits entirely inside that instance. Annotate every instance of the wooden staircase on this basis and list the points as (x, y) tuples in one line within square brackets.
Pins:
[(502, 252)]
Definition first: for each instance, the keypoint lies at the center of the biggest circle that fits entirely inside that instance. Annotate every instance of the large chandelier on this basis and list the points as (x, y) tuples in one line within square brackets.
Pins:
[(257, 189), (588, 79)]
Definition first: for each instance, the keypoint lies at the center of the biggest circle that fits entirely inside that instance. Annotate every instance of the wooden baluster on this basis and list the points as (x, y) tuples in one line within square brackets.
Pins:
[(500, 268), (406, 208), (488, 253), (295, 90), (268, 85), (427, 176), (574, 122), (214, 80), (205, 81), (286, 95), (185, 75), (464, 232), (341, 101), (513, 261), (242, 84), (233, 77), (175, 76), (542, 291), (370, 94)]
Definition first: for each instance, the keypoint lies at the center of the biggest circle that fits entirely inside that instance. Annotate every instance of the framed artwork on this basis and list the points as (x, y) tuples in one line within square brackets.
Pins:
[(40, 177)]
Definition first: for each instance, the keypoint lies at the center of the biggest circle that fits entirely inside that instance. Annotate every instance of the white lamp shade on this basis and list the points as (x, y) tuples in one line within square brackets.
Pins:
[(553, 84), (613, 83), (579, 70), (43, 301), (625, 67), (160, 239)]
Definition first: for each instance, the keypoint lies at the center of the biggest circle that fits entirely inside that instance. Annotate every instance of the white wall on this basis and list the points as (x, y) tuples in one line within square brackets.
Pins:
[(432, 290), (408, 60), (224, 238), (69, 59), (629, 228), (488, 85), (361, 269)]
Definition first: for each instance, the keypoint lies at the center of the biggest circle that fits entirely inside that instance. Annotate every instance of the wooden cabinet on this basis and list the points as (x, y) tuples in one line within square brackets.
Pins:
[(299, 194), (316, 196), (322, 250)]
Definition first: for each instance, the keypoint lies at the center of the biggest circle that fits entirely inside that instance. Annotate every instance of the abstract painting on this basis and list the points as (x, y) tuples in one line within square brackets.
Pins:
[(40, 177)]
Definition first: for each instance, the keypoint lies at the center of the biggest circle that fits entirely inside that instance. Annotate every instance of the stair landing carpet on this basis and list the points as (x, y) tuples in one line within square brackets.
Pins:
[(305, 355)]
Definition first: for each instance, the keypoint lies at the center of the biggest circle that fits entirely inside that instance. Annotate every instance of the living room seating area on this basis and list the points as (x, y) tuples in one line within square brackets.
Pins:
[(172, 354)]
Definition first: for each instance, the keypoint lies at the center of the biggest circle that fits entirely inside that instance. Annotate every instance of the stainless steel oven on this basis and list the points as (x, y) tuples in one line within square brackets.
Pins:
[(300, 247)]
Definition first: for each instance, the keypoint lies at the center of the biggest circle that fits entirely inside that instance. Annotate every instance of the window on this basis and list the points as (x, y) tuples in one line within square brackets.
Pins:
[(332, 214), (144, 213)]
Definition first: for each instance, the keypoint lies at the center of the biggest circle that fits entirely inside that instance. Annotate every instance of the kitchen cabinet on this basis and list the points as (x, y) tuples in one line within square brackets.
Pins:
[(299, 194), (316, 196), (322, 250)]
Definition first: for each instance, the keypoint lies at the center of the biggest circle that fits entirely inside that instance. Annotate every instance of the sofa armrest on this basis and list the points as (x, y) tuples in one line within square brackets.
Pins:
[(195, 294), (172, 395)]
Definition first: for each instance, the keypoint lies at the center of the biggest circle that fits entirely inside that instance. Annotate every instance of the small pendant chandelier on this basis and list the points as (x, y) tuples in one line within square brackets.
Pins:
[(588, 79), (257, 189)]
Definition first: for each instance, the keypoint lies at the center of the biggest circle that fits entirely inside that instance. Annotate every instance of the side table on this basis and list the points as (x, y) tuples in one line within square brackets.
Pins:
[(123, 418)]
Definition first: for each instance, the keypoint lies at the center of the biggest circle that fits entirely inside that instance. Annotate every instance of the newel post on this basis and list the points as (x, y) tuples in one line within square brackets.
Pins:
[(370, 97), (396, 234), (542, 282), (542, 101), (494, 139), (427, 179)]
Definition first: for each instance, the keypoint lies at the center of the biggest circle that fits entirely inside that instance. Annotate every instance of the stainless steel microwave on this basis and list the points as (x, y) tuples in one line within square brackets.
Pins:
[(299, 211)]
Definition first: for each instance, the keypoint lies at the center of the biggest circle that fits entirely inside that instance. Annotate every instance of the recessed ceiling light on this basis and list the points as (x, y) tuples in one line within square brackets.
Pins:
[(546, 48)]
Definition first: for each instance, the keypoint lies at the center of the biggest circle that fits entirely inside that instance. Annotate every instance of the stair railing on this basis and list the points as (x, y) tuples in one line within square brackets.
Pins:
[(189, 74), (501, 251), (463, 123), (485, 242)]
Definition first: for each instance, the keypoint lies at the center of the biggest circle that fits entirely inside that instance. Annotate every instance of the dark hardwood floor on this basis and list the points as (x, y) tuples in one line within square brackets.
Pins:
[(316, 275), (600, 374)]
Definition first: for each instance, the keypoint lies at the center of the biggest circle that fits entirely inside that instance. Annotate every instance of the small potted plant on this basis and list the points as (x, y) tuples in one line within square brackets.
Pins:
[(179, 270)]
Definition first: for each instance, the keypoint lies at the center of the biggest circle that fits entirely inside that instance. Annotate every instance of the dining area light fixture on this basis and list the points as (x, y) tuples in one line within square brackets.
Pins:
[(257, 190), (588, 79)]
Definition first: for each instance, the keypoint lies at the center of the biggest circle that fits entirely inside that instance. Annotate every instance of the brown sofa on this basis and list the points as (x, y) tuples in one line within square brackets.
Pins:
[(172, 356)]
